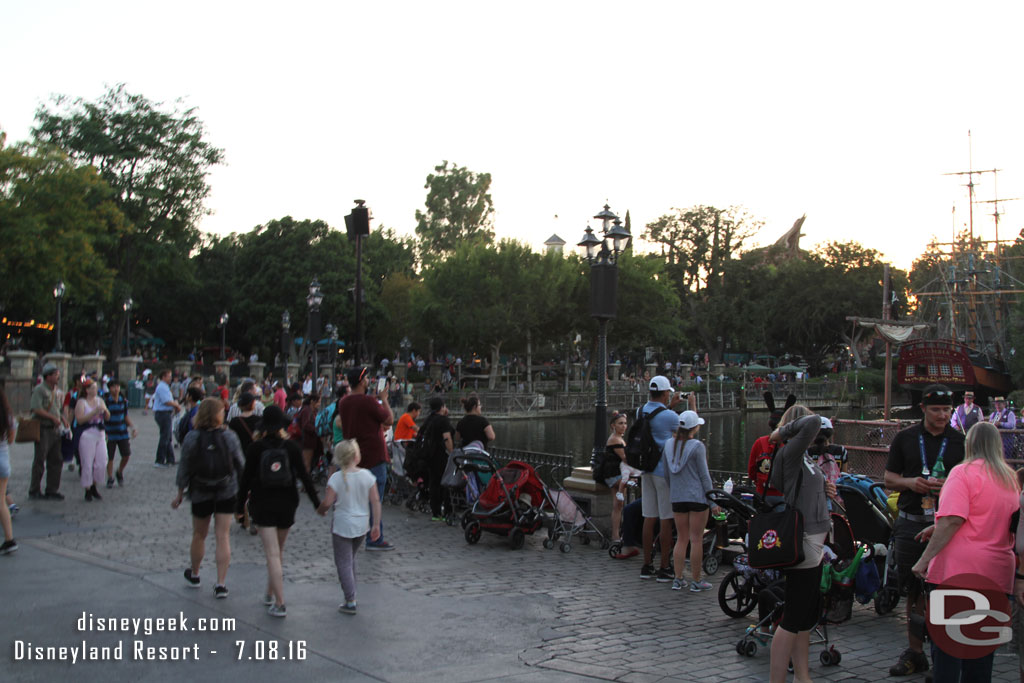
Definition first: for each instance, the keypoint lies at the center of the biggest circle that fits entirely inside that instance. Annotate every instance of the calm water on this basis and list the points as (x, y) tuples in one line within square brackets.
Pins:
[(729, 436)]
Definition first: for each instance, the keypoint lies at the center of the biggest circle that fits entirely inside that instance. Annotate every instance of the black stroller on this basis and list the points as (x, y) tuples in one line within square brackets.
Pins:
[(468, 472), (872, 526)]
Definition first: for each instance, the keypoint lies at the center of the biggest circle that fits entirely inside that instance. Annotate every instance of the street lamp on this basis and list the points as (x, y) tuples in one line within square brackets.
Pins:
[(602, 254), (99, 332), (313, 300), (58, 294), (127, 306), (405, 345), (223, 323), (286, 324)]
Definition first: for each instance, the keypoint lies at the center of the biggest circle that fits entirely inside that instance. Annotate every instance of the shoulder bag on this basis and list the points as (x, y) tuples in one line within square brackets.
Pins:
[(776, 539)]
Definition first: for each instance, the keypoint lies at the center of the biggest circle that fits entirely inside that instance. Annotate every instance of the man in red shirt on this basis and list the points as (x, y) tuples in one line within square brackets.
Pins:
[(364, 419)]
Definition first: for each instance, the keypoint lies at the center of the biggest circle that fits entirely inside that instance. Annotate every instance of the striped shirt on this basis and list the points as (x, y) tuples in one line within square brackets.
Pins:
[(117, 423)]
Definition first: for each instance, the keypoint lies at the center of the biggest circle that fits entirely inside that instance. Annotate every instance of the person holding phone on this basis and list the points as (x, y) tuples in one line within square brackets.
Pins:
[(364, 418)]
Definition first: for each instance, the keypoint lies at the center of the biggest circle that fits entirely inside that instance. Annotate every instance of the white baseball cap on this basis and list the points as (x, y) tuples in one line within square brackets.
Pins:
[(826, 423), (660, 383), (689, 419)]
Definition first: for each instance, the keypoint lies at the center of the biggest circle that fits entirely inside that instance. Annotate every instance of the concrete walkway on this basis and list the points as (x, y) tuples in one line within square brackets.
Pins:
[(435, 609)]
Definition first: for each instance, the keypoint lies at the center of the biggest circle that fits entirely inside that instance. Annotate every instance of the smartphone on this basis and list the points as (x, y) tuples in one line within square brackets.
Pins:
[(381, 383)]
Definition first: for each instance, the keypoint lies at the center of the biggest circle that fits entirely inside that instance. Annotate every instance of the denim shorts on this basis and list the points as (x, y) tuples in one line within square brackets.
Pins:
[(5, 461)]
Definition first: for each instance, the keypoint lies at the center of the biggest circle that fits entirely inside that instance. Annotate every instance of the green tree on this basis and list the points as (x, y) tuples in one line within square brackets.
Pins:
[(459, 209), (56, 220), (156, 160)]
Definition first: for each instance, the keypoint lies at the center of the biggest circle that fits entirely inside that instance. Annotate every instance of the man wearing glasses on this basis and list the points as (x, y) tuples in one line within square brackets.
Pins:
[(967, 414), (919, 458)]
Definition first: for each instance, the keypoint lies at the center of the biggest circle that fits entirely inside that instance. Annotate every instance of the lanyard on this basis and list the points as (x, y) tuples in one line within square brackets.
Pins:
[(924, 461)]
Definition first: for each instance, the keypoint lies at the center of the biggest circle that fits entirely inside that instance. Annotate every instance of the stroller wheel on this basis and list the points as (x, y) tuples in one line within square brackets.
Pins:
[(410, 502), (740, 647), (886, 600), (711, 564), (614, 549), (565, 547), (517, 538), (826, 658), (549, 544), (837, 657), (449, 519), (473, 532), (735, 595), (750, 648), (465, 519)]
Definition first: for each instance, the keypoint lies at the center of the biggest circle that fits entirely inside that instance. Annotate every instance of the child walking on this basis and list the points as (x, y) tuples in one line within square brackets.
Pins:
[(352, 492)]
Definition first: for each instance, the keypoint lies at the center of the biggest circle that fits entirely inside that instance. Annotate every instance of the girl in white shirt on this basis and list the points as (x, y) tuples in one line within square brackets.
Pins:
[(352, 492)]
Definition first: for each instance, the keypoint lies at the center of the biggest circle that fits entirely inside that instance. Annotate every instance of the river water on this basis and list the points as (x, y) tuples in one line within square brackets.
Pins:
[(728, 435)]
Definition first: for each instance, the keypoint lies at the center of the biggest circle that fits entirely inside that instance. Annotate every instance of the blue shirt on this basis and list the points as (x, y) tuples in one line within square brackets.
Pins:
[(663, 427), (117, 423), (161, 397)]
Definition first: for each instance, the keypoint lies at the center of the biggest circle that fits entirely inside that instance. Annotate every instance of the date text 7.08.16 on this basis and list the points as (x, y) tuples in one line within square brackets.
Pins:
[(271, 650)]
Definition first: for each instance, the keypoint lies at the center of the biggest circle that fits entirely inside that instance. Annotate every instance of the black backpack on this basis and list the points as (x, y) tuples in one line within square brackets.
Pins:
[(275, 468), (211, 463), (418, 454), (642, 451)]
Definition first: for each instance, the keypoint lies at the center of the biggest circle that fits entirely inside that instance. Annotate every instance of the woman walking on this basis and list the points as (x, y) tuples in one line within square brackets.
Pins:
[(804, 486), (689, 482), (272, 465), (971, 536), (7, 433), (90, 412), (352, 492), (210, 467)]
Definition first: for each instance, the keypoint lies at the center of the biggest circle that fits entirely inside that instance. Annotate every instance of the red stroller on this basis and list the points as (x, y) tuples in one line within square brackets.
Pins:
[(509, 506)]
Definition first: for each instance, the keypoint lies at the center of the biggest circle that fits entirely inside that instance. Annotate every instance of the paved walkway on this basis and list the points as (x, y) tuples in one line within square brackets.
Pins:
[(434, 609)]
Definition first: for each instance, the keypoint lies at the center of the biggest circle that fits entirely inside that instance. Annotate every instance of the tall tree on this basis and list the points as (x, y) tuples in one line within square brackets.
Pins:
[(459, 209), (156, 159)]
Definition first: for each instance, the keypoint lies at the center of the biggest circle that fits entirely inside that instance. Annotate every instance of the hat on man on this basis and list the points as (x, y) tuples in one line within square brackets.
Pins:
[(937, 395), (689, 419), (999, 399), (660, 383), (356, 375), (49, 369), (274, 419)]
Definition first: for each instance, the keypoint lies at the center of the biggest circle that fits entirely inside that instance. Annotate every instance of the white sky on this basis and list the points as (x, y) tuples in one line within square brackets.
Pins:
[(850, 113)]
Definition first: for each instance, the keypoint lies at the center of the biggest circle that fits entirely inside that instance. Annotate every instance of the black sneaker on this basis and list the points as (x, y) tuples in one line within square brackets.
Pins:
[(190, 580), (910, 662), (110, 482), (120, 478), (647, 571), (220, 591), (8, 547), (664, 575), (35, 495), (53, 496)]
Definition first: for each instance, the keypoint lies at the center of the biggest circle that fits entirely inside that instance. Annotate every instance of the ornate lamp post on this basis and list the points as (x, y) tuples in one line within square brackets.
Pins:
[(99, 332), (286, 324), (603, 254), (127, 306), (223, 324), (58, 294), (313, 300)]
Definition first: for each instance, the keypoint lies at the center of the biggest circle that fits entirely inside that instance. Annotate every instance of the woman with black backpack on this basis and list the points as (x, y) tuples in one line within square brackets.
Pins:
[(211, 462), (272, 464)]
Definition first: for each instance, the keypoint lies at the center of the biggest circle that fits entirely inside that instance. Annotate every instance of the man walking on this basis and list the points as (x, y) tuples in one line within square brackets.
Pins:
[(164, 408), (45, 404), (914, 469), (364, 418)]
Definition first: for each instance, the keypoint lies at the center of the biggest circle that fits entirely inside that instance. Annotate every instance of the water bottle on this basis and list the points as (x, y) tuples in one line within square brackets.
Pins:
[(727, 487)]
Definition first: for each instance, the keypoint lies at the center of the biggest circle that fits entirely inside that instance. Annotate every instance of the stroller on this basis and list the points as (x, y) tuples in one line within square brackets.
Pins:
[(509, 506), (837, 588), (568, 520), (867, 512), (468, 472), (729, 529)]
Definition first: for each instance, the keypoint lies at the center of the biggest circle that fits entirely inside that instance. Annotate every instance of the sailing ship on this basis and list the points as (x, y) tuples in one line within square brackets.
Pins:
[(966, 304)]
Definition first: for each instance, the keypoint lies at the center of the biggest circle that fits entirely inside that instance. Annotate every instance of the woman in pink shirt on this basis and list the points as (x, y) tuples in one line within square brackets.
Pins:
[(972, 534)]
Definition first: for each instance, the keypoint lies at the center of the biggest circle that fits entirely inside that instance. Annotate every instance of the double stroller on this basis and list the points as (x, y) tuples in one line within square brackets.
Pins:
[(510, 504), (466, 475)]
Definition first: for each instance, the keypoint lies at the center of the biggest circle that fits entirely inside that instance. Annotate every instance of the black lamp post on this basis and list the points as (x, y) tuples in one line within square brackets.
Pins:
[(223, 324), (286, 324), (58, 294), (603, 254), (99, 332), (405, 345), (313, 300), (128, 303)]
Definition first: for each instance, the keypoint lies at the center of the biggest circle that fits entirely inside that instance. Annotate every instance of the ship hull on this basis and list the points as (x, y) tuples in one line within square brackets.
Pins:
[(927, 361)]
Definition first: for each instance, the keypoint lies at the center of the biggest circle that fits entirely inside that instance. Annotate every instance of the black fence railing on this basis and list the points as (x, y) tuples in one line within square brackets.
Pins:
[(552, 468)]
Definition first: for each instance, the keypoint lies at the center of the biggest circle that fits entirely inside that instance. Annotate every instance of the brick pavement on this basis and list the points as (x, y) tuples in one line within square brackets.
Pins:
[(595, 618)]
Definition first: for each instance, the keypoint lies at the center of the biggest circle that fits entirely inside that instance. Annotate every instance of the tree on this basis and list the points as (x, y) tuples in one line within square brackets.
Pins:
[(156, 160), (459, 209), (56, 220)]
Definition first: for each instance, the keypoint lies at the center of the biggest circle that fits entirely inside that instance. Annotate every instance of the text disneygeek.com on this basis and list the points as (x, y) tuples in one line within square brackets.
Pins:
[(139, 650)]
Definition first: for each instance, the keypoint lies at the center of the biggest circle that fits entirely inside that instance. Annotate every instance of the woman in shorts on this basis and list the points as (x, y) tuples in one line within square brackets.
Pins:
[(210, 498), (689, 482), (274, 499)]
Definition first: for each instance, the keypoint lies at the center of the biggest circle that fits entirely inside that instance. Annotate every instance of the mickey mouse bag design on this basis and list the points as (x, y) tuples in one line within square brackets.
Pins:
[(776, 539)]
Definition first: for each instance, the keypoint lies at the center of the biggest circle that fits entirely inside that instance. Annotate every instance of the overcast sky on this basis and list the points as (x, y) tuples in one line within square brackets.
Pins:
[(849, 113)]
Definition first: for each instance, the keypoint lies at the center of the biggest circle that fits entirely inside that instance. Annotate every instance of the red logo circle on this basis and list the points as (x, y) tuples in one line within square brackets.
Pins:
[(968, 616), (274, 467)]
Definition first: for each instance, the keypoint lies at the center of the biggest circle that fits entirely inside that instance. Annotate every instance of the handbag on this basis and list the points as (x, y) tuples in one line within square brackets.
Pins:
[(28, 431), (776, 538)]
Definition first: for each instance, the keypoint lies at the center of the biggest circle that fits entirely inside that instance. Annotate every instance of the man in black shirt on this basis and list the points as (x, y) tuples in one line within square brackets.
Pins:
[(438, 438), (913, 468)]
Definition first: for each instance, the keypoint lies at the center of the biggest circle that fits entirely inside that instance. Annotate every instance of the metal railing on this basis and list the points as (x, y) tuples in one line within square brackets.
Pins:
[(552, 468)]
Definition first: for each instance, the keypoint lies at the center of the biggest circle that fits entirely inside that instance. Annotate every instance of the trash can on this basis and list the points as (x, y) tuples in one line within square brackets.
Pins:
[(136, 395)]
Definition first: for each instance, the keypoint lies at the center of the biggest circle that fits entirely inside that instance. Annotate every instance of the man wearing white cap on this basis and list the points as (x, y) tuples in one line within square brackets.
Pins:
[(657, 504)]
